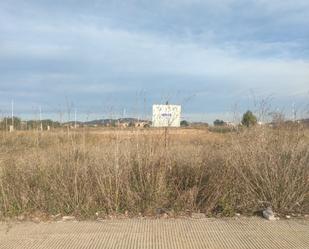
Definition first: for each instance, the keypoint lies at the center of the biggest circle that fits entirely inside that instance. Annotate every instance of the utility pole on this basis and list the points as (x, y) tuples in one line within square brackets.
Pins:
[(144, 110), (13, 113), (41, 125), (294, 112), (12, 109), (75, 119)]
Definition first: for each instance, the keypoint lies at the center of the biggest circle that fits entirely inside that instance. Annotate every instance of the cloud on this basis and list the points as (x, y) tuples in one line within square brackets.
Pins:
[(214, 50)]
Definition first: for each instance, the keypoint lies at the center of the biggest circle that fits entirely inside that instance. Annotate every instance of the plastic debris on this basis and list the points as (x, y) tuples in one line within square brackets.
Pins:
[(269, 214)]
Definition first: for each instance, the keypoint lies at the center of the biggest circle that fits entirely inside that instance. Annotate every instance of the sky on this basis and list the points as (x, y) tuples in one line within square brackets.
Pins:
[(116, 58)]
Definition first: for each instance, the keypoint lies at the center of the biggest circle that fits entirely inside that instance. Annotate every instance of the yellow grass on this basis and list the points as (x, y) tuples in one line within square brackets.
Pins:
[(86, 171)]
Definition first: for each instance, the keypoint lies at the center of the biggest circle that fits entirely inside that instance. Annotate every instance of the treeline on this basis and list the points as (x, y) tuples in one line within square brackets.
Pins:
[(20, 124)]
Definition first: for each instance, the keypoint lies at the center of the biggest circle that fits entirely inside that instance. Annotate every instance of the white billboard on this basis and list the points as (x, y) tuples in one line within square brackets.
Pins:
[(166, 115)]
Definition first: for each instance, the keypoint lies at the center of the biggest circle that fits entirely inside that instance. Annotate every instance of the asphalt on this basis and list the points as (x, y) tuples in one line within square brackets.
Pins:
[(205, 233)]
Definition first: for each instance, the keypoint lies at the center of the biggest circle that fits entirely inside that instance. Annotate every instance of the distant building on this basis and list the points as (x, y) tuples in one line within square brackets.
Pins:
[(122, 124), (230, 124), (142, 124), (166, 115)]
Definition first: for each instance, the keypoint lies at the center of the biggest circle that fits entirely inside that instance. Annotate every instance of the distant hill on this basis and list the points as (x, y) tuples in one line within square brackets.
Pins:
[(199, 124), (106, 122), (111, 121)]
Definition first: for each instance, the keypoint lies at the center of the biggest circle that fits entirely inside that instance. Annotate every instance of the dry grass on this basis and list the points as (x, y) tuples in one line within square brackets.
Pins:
[(114, 171)]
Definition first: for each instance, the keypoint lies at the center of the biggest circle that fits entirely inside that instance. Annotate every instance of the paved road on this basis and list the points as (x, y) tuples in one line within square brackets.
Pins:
[(173, 234)]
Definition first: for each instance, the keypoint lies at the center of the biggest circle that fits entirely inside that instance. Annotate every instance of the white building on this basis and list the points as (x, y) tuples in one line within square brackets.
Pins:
[(166, 115)]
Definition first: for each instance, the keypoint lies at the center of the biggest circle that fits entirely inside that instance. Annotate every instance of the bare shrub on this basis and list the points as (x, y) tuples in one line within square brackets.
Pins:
[(82, 173), (272, 168)]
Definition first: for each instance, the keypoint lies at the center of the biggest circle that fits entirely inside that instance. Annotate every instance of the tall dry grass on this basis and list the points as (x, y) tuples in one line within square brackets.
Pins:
[(84, 172)]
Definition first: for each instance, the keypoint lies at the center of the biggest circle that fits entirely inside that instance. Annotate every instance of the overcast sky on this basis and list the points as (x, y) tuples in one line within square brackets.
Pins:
[(104, 57)]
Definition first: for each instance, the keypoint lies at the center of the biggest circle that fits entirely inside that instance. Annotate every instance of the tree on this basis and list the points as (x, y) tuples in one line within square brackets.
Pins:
[(7, 121), (184, 123), (219, 122), (248, 119)]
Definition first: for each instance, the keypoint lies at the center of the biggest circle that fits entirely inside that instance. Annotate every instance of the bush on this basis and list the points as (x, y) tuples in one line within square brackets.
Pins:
[(184, 123), (249, 119), (219, 122)]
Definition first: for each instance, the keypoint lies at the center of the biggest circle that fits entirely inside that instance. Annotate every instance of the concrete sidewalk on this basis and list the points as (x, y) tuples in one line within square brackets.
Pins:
[(170, 233)]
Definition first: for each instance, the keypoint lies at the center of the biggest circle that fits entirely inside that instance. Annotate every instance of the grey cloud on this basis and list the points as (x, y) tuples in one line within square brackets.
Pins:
[(104, 52)]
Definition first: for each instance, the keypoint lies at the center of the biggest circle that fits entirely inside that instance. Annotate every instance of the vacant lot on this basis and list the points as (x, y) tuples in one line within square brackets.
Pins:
[(108, 171)]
